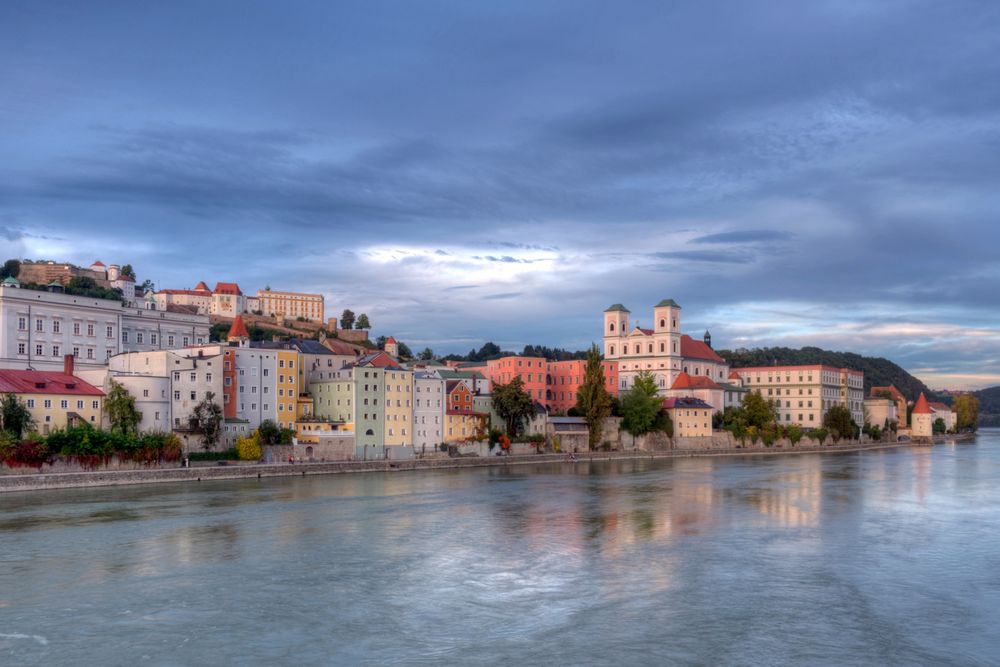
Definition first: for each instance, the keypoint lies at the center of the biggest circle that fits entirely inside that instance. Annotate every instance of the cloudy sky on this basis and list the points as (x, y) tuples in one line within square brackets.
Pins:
[(793, 173)]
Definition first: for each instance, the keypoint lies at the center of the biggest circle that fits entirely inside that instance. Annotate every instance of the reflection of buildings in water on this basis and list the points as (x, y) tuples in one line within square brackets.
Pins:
[(792, 499), (921, 471), (191, 545)]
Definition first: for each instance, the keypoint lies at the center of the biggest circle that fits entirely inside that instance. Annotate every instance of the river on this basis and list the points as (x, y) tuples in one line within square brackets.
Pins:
[(882, 557)]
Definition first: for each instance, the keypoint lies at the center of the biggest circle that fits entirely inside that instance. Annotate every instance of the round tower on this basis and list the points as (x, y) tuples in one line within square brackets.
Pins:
[(114, 272)]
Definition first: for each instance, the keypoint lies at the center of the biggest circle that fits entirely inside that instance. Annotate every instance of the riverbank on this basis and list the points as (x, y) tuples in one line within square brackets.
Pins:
[(37, 481)]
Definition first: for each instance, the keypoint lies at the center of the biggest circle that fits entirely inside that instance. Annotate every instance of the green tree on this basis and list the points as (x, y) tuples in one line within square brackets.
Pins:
[(758, 411), (10, 269), (593, 401), (15, 418), (427, 354), (127, 270), (404, 350), (362, 322), (939, 426), (641, 406), (513, 404), (207, 417), (380, 342), (120, 407), (839, 422), (347, 319), (147, 286), (966, 409), (269, 432)]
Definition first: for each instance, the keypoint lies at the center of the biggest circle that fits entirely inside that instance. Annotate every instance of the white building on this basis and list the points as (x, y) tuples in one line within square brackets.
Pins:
[(803, 394), (429, 402), (38, 328), (663, 350), (880, 411)]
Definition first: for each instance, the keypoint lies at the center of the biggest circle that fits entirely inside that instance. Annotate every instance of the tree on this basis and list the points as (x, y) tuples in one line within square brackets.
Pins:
[(758, 411), (966, 409), (147, 286), (15, 418), (248, 448), (269, 432), (347, 319), (10, 269), (513, 404), (593, 401), (839, 421), (207, 417), (380, 342), (427, 354), (362, 322), (122, 414), (127, 270), (939, 426), (641, 406), (404, 350)]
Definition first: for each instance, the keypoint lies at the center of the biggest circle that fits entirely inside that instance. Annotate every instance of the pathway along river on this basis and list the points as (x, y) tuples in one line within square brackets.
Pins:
[(883, 557)]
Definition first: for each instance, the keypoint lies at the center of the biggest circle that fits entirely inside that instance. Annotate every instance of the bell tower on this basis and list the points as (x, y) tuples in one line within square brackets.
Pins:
[(615, 330)]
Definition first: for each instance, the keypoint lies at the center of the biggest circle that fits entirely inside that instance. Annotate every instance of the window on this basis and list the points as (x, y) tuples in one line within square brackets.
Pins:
[(76, 352), (139, 338), (111, 332), (39, 325), (228, 381), (48, 403), (170, 341), (90, 330), (124, 336), (55, 326), (177, 395), (22, 323), (208, 377), (55, 350), (194, 377), (79, 405), (185, 341), (38, 350), (22, 348), (194, 396), (30, 402)]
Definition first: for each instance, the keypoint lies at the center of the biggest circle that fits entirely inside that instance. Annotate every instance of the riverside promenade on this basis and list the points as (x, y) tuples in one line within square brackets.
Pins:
[(40, 480)]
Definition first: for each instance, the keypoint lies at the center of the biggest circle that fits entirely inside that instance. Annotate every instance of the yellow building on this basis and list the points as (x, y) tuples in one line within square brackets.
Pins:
[(55, 400), (692, 417), (287, 385), (461, 425), (398, 407), (291, 305)]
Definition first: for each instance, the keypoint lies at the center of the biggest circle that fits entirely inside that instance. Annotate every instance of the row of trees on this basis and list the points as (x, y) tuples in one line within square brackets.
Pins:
[(349, 321)]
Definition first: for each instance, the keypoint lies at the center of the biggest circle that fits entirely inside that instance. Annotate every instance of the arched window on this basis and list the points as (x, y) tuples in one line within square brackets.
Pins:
[(612, 325), (685, 369), (663, 323), (612, 350), (369, 432), (674, 324)]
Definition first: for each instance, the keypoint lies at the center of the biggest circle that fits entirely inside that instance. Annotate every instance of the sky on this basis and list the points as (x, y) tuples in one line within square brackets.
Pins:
[(792, 173)]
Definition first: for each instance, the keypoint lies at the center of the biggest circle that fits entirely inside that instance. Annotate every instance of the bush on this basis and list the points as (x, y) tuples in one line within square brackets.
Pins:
[(31, 452), (819, 435), (443, 446), (228, 455), (248, 448), (794, 433)]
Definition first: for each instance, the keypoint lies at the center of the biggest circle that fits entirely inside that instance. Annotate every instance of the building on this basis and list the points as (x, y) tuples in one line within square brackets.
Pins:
[(691, 417), (54, 399), (734, 391), (429, 402), (463, 421), (881, 412), (38, 328), (662, 350), (803, 394), (291, 305), (226, 300), (701, 387), (922, 419), (944, 412), (563, 380), (531, 370), (897, 397)]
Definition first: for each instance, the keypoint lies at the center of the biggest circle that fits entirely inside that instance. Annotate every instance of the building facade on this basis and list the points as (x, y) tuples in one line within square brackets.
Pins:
[(429, 404), (291, 305), (803, 394), (54, 399), (691, 417)]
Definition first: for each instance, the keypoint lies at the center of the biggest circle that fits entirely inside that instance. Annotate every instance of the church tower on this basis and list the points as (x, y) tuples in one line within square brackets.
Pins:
[(615, 330)]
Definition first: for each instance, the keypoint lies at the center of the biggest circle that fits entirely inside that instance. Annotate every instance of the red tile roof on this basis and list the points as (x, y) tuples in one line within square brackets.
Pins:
[(128, 279), (98, 263), (685, 381), (733, 375), (895, 393), (44, 382), (201, 286), (938, 406), (696, 349), (228, 288), (239, 329), (189, 292), (921, 407), (390, 341)]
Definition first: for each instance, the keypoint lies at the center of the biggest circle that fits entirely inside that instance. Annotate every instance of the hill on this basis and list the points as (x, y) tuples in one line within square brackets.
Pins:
[(879, 372), (989, 406)]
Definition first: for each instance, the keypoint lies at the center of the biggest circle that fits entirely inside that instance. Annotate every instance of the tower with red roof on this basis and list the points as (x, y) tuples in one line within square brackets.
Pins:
[(922, 418)]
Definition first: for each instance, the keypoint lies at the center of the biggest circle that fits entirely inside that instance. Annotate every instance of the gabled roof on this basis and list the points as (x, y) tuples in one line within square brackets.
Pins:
[(44, 382), (228, 288), (338, 346), (451, 385), (616, 307), (668, 303), (310, 346), (733, 375), (938, 406), (696, 349), (188, 292), (239, 329), (378, 360), (921, 407), (201, 286), (98, 263), (685, 381), (390, 341)]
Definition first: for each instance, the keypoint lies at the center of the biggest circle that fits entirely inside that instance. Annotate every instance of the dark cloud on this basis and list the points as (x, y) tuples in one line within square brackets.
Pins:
[(745, 236)]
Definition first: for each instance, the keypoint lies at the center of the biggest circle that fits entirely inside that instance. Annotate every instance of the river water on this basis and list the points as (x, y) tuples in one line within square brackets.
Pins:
[(889, 557)]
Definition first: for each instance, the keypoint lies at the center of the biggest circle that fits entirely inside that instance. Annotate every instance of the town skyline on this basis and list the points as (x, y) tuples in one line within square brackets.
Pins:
[(485, 173)]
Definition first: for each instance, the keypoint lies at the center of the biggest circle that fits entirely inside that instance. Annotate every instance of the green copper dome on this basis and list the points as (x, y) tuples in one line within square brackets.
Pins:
[(668, 303), (617, 306)]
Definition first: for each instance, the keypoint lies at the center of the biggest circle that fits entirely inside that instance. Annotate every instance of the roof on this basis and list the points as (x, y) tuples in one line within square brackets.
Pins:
[(733, 375), (238, 330), (938, 406), (696, 349), (98, 263), (668, 303), (616, 307), (450, 385), (567, 420), (685, 381), (895, 393), (921, 407), (803, 367), (44, 382), (470, 413), (201, 286), (188, 292), (227, 288), (182, 308), (338, 346), (126, 278), (310, 346), (11, 280), (390, 341), (378, 360), (648, 332), (685, 402)]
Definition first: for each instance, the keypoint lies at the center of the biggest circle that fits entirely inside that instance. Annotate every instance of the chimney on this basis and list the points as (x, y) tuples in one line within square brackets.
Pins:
[(68, 364)]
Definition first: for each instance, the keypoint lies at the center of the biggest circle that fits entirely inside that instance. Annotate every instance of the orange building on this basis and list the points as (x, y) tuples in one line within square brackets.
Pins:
[(531, 370), (564, 378)]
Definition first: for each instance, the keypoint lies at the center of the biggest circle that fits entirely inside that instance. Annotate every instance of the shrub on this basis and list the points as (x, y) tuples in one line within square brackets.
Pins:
[(228, 455), (819, 435), (794, 433), (248, 448), (31, 452)]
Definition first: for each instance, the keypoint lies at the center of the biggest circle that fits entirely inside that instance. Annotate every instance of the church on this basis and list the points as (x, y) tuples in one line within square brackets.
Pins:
[(674, 358)]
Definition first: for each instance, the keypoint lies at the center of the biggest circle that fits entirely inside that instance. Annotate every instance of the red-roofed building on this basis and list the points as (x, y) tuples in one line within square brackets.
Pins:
[(923, 418), (392, 347), (698, 387), (662, 350), (226, 300), (55, 400), (238, 331), (897, 397), (803, 394)]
